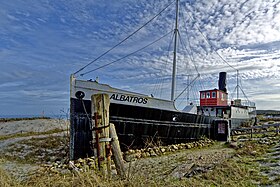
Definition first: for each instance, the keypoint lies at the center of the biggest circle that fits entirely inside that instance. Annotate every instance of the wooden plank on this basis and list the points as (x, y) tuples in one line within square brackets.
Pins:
[(117, 154), (100, 109)]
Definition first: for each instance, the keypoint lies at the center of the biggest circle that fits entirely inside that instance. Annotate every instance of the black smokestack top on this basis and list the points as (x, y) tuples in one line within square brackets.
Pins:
[(223, 81)]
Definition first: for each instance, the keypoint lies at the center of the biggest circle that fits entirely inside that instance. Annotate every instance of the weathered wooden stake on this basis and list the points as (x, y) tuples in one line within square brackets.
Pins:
[(117, 154), (100, 109)]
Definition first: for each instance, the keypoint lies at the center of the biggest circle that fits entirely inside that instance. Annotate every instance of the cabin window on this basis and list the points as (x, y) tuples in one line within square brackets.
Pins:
[(222, 96), (202, 95), (213, 94), (208, 95)]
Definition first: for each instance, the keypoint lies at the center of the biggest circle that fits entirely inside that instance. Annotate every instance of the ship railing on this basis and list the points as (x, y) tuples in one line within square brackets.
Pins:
[(157, 122), (245, 103), (249, 103)]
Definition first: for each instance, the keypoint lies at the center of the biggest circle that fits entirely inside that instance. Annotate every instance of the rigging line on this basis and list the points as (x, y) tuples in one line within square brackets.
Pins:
[(126, 55), (180, 38), (159, 82), (85, 110), (244, 94), (182, 100), (232, 96), (188, 39), (196, 94), (106, 52), (200, 83), (191, 86), (181, 41), (186, 88), (206, 39)]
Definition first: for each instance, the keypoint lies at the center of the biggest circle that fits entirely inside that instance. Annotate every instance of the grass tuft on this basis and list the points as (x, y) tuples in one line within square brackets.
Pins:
[(26, 134)]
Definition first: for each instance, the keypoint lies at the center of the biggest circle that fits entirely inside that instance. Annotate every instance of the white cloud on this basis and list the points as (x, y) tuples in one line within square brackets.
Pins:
[(44, 41)]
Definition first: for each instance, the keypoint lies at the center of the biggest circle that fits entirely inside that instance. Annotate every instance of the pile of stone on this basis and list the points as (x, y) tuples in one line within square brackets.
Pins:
[(77, 165), (132, 154)]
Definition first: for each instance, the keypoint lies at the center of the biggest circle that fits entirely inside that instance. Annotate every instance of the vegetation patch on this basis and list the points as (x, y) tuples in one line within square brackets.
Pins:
[(26, 134), (20, 119), (6, 180), (38, 150)]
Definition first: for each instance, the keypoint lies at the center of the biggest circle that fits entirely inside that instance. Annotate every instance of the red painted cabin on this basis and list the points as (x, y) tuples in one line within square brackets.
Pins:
[(213, 98)]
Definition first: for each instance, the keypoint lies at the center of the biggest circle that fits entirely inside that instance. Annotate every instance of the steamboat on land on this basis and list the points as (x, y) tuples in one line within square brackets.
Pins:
[(138, 117)]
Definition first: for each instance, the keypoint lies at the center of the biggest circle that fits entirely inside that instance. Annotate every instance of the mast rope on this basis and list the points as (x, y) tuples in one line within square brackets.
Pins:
[(106, 52), (188, 40), (186, 88), (159, 82), (126, 55), (208, 42)]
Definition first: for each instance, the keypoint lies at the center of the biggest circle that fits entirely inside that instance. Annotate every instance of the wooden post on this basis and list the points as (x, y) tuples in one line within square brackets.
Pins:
[(100, 109), (117, 154)]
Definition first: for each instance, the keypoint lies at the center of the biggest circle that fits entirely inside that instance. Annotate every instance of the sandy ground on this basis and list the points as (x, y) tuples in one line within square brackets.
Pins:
[(38, 125), (21, 170), (179, 164)]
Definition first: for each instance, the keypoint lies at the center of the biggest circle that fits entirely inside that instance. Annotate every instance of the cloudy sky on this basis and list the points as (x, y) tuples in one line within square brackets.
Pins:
[(42, 42)]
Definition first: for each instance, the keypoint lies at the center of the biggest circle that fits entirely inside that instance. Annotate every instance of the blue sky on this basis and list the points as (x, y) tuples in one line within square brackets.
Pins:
[(42, 42)]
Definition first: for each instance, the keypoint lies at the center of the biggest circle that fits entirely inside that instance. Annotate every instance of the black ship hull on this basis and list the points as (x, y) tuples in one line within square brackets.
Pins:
[(134, 125)]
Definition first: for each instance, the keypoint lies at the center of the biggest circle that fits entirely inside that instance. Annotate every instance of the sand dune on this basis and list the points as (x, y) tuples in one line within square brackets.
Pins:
[(37, 125)]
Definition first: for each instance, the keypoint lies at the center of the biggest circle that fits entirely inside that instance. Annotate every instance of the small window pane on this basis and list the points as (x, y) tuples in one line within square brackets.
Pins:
[(208, 95), (213, 94), (202, 95)]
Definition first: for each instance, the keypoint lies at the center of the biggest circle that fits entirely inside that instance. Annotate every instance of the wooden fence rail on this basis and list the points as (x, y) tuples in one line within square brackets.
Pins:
[(263, 129)]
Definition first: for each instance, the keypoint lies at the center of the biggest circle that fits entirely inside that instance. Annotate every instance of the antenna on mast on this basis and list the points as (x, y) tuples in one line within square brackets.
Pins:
[(237, 85), (175, 53)]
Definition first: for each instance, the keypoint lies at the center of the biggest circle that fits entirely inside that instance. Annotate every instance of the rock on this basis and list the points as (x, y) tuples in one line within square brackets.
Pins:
[(174, 147), (152, 153), (194, 170), (168, 149), (181, 170), (233, 145), (188, 146), (143, 155), (52, 159), (129, 158), (131, 151), (138, 155), (55, 164), (157, 151), (253, 153)]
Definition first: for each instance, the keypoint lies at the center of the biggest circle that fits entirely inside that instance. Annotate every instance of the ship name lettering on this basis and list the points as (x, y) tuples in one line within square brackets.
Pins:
[(131, 99)]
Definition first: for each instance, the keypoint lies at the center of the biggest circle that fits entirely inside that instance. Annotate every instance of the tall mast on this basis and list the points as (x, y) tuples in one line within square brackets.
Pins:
[(188, 91), (174, 53)]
